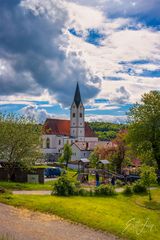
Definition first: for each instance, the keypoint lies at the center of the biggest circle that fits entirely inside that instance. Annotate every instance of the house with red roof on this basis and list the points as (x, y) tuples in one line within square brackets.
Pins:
[(57, 132)]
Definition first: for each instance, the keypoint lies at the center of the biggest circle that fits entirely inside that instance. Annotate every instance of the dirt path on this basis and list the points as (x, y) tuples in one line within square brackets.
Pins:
[(27, 225), (46, 192)]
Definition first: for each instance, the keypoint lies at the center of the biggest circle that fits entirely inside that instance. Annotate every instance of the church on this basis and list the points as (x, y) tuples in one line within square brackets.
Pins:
[(57, 132)]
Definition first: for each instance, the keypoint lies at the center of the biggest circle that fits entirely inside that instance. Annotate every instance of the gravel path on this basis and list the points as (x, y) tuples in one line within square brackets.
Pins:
[(45, 192), (27, 225), (32, 192)]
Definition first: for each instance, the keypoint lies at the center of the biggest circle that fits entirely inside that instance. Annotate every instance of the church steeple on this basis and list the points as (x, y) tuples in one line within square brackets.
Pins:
[(77, 124), (77, 96)]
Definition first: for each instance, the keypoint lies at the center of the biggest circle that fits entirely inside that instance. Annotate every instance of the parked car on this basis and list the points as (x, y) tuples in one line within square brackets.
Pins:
[(53, 172)]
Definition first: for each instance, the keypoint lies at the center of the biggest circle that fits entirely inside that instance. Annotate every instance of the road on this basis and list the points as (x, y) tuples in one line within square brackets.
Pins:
[(23, 224)]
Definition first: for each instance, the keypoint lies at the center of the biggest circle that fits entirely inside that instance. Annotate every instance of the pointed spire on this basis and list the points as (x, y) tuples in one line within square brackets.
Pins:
[(77, 96)]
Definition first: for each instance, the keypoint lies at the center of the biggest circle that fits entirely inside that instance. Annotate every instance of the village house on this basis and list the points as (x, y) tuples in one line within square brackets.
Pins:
[(83, 149), (57, 132)]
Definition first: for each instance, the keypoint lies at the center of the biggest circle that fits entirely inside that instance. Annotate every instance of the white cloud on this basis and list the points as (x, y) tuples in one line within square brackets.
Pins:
[(121, 44), (106, 118)]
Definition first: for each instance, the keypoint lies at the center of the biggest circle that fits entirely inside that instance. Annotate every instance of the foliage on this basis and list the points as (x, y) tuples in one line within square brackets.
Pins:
[(144, 128), (119, 183), (105, 190), (94, 158), (119, 154), (64, 187), (84, 192), (2, 190), (148, 177), (127, 190), (106, 131), (67, 153), (139, 187), (20, 141)]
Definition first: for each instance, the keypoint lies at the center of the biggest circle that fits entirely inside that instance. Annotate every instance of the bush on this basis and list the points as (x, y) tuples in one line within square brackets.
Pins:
[(138, 187), (2, 190), (119, 183), (83, 192), (64, 187), (105, 190), (128, 190)]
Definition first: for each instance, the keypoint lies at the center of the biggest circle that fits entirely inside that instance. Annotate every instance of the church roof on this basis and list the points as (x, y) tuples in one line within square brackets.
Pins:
[(62, 127), (77, 96)]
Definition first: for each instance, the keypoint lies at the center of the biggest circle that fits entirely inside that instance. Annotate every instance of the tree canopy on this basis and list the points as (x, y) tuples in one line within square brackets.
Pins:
[(20, 141), (144, 128), (67, 153), (105, 130)]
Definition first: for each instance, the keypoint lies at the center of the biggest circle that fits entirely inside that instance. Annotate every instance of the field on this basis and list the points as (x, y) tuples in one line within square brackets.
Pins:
[(128, 217)]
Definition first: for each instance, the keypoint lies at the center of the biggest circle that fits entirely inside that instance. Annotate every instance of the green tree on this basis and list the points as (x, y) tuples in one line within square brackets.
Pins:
[(20, 141), (67, 153), (144, 128), (94, 158), (148, 177)]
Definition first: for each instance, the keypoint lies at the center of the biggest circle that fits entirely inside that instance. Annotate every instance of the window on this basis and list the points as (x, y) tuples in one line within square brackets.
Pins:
[(74, 115), (59, 142), (48, 143), (80, 115)]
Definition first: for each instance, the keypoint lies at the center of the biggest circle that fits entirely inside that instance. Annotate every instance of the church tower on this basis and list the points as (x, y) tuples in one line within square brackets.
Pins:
[(77, 123)]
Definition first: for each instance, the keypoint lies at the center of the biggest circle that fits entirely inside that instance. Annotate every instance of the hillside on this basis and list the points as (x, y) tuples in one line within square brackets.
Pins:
[(105, 130)]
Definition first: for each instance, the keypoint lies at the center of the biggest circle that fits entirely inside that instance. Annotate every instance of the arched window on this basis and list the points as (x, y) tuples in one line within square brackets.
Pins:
[(47, 143), (80, 115), (74, 115)]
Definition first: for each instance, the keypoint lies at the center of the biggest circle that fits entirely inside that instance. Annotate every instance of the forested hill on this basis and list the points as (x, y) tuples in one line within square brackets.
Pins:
[(105, 130)]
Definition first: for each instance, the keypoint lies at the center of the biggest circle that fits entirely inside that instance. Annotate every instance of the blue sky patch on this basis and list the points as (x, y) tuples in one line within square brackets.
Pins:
[(93, 36)]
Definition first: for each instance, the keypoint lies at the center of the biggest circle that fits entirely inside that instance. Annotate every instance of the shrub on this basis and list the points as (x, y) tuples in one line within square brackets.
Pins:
[(83, 192), (119, 183), (138, 187), (2, 190), (106, 190), (128, 190), (64, 187)]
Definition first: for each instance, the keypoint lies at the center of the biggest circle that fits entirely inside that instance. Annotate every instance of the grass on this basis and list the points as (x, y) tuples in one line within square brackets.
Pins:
[(119, 215), (48, 185), (26, 186), (6, 237)]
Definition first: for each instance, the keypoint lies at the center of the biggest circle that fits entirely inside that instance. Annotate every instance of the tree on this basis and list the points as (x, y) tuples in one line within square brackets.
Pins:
[(67, 153), (94, 158), (20, 141), (148, 177), (119, 154), (144, 128)]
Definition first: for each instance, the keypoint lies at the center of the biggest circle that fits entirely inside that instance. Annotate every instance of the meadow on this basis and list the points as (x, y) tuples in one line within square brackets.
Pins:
[(129, 217)]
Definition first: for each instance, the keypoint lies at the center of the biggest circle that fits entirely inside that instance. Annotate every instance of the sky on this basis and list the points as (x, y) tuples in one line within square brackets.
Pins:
[(110, 47)]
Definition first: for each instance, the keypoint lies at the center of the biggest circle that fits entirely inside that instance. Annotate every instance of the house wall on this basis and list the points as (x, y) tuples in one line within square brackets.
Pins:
[(77, 154)]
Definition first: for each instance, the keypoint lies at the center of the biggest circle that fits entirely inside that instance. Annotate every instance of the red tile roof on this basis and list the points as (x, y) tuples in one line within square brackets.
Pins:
[(62, 127)]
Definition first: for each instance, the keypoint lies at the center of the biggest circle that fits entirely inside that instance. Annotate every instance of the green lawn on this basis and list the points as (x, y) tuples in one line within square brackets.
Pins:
[(123, 216), (26, 186), (33, 186)]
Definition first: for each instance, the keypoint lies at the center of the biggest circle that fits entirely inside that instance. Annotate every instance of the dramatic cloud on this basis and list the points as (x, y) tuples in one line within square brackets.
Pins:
[(31, 34), (38, 115)]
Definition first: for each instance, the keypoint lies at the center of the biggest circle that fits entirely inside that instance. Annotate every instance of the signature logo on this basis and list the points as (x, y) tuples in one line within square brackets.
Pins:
[(138, 226)]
